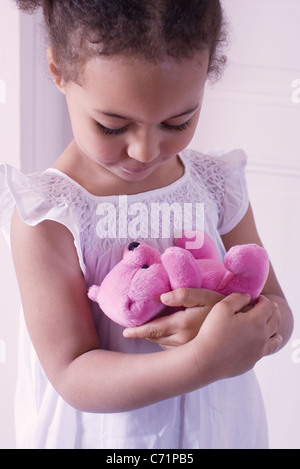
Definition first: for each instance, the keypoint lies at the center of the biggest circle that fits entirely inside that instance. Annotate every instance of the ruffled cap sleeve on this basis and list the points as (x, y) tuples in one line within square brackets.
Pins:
[(13, 184), (31, 195), (235, 199)]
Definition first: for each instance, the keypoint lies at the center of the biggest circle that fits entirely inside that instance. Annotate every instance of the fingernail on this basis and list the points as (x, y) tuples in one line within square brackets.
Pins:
[(166, 297)]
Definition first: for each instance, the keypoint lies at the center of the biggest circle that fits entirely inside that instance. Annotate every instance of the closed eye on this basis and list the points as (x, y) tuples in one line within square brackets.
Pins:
[(177, 128), (173, 128), (108, 131)]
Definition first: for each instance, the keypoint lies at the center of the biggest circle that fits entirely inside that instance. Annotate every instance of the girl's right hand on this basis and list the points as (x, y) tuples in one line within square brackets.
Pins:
[(233, 341)]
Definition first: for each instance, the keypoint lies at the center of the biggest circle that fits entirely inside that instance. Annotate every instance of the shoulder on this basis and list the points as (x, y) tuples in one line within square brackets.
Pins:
[(223, 176), (215, 171), (42, 245), (216, 160), (218, 171), (41, 198)]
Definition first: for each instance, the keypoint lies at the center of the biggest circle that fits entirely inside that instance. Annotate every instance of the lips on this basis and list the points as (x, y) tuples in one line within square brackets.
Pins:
[(137, 170)]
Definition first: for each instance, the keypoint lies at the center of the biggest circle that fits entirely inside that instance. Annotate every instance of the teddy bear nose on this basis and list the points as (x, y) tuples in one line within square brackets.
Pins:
[(132, 246)]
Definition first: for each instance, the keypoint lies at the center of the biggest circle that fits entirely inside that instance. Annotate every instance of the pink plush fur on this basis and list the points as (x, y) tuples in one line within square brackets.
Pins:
[(130, 292)]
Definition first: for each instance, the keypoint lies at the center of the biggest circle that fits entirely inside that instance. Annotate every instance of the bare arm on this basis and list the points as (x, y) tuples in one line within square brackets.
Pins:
[(60, 323)]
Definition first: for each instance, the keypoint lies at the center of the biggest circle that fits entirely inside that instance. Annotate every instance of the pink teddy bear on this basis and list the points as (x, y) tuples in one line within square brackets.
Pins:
[(130, 292)]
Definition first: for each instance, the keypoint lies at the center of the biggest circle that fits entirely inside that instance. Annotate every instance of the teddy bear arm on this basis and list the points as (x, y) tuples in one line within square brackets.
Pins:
[(182, 268), (247, 270), (213, 273), (238, 284)]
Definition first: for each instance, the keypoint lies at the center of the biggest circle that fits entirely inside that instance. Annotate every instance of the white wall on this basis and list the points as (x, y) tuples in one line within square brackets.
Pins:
[(34, 128), (45, 129), (10, 153), (250, 108), (253, 108)]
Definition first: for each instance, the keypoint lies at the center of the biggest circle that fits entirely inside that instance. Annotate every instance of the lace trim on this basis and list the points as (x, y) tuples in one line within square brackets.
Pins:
[(206, 185)]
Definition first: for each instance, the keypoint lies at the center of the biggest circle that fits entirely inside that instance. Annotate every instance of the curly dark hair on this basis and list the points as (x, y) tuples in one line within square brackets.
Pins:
[(151, 29)]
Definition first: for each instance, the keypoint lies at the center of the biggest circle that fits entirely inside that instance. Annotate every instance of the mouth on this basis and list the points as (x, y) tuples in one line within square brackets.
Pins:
[(137, 170)]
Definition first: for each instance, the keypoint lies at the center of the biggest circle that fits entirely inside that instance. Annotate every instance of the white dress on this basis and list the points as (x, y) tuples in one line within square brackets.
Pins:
[(226, 414)]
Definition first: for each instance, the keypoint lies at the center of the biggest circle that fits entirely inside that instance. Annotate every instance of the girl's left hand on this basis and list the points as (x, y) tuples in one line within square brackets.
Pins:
[(182, 326)]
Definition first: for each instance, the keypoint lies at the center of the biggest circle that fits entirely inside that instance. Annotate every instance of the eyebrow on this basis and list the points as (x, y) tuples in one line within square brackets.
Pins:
[(112, 114)]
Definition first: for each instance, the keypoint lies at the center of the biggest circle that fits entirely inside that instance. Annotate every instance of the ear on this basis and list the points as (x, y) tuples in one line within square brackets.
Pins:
[(55, 71)]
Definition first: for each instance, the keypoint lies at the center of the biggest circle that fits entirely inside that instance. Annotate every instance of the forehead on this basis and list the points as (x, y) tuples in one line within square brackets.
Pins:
[(118, 84)]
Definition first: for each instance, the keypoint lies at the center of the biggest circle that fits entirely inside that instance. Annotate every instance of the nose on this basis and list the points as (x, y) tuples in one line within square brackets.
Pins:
[(144, 146)]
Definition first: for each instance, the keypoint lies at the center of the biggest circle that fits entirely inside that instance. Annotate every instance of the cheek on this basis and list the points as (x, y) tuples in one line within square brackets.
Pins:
[(95, 145), (89, 137), (178, 142)]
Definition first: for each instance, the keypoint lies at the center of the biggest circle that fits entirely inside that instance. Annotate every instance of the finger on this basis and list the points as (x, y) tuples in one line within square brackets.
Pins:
[(274, 320), (190, 297), (174, 330), (161, 327), (233, 303), (263, 306), (273, 344), (269, 312), (262, 310)]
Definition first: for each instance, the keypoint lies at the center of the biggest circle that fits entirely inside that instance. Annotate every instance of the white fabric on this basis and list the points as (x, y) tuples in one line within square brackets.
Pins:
[(225, 414)]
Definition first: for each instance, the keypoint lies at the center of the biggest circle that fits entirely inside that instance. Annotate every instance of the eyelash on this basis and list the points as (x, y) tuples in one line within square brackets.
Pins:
[(178, 128), (123, 130), (109, 132)]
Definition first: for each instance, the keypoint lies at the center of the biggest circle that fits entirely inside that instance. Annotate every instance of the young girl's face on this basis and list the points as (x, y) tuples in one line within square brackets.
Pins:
[(131, 117)]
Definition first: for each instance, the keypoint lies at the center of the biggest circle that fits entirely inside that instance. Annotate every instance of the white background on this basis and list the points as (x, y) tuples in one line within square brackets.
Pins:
[(250, 108)]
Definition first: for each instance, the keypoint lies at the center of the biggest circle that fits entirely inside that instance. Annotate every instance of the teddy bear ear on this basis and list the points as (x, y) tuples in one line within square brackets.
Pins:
[(199, 244), (93, 292)]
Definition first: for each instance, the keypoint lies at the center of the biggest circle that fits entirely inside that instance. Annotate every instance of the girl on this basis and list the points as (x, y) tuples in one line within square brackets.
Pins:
[(133, 74)]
